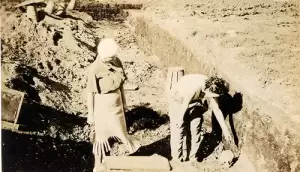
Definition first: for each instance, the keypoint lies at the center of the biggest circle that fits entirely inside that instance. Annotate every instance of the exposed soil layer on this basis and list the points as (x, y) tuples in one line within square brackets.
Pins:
[(48, 61), (251, 45), (260, 36)]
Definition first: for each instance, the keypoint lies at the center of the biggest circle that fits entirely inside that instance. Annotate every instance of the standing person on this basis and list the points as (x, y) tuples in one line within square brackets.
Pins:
[(191, 89), (106, 101)]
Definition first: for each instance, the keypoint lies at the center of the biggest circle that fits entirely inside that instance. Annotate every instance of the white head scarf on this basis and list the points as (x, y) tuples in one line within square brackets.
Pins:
[(107, 49)]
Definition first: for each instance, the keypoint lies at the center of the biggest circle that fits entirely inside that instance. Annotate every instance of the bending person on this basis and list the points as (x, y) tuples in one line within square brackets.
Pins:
[(193, 89)]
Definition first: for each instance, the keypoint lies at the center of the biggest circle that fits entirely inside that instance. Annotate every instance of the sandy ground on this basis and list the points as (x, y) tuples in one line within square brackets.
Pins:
[(253, 43), (260, 36), (48, 61)]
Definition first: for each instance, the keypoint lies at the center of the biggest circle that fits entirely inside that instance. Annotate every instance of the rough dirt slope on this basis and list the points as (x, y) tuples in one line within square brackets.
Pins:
[(253, 44), (48, 61)]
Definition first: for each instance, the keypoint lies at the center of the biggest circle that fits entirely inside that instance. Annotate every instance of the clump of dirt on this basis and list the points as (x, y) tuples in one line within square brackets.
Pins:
[(48, 61), (206, 10), (36, 50)]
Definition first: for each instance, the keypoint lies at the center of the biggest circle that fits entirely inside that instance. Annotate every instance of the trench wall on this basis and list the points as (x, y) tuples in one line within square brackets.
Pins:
[(266, 135)]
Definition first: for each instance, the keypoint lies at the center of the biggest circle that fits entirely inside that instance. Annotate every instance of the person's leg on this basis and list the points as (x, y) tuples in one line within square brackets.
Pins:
[(176, 141), (196, 137), (177, 130), (186, 140)]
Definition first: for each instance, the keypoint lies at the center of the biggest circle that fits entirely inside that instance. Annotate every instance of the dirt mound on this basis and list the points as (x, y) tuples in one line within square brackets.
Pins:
[(250, 43), (48, 61)]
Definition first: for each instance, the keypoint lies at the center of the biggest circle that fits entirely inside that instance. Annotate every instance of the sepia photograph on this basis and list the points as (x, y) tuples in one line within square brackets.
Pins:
[(150, 85)]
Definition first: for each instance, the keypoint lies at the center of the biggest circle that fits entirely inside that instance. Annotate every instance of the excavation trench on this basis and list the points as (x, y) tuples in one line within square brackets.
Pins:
[(55, 136), (265, 133)]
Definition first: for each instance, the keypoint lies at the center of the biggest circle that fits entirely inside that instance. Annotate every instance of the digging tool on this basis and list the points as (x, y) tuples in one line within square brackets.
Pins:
[(154, 162), (130, 87)]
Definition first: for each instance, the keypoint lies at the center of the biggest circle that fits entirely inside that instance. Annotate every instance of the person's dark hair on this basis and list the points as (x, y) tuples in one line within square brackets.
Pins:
[(217, 85)]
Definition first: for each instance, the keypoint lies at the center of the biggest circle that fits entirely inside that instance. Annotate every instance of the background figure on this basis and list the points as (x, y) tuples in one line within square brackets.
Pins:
[(194, 90), (106, 101)]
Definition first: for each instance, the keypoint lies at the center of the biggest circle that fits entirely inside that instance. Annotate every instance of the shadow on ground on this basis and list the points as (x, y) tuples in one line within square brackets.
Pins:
[(104, 11), (161, 147), (31, 153), (33, 115), (143, 117), (27, 153), (24, 81), (37, 117), (228, 104), (97, 12)]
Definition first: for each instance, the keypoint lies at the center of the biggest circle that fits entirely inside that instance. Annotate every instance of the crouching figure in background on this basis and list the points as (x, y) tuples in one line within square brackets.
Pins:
[(106, 102)]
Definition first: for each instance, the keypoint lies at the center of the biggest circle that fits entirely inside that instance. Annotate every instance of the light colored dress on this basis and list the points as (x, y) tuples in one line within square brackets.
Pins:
[(109, 102)]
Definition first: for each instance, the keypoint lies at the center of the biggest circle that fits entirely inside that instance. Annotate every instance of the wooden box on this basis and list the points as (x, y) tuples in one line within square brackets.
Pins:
[(11, 102)]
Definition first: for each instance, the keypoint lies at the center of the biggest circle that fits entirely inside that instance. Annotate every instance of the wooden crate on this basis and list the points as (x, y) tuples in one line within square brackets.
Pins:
[(11, 102)]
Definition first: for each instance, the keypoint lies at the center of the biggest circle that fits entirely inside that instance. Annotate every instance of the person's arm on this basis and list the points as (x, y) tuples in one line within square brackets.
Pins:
[(118, 63), (213, 105), (220, 118), (90, 106), (90, 97), (123, 97)]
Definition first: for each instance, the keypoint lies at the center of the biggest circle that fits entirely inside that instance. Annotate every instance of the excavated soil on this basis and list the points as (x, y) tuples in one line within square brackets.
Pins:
[(260, 36), (253, 44), (48, 61)]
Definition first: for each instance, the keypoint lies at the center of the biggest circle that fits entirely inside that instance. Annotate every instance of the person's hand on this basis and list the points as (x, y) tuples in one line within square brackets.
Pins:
[(232, 146), (228, 138), (236, 151), (92, 134), (90, 120)]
